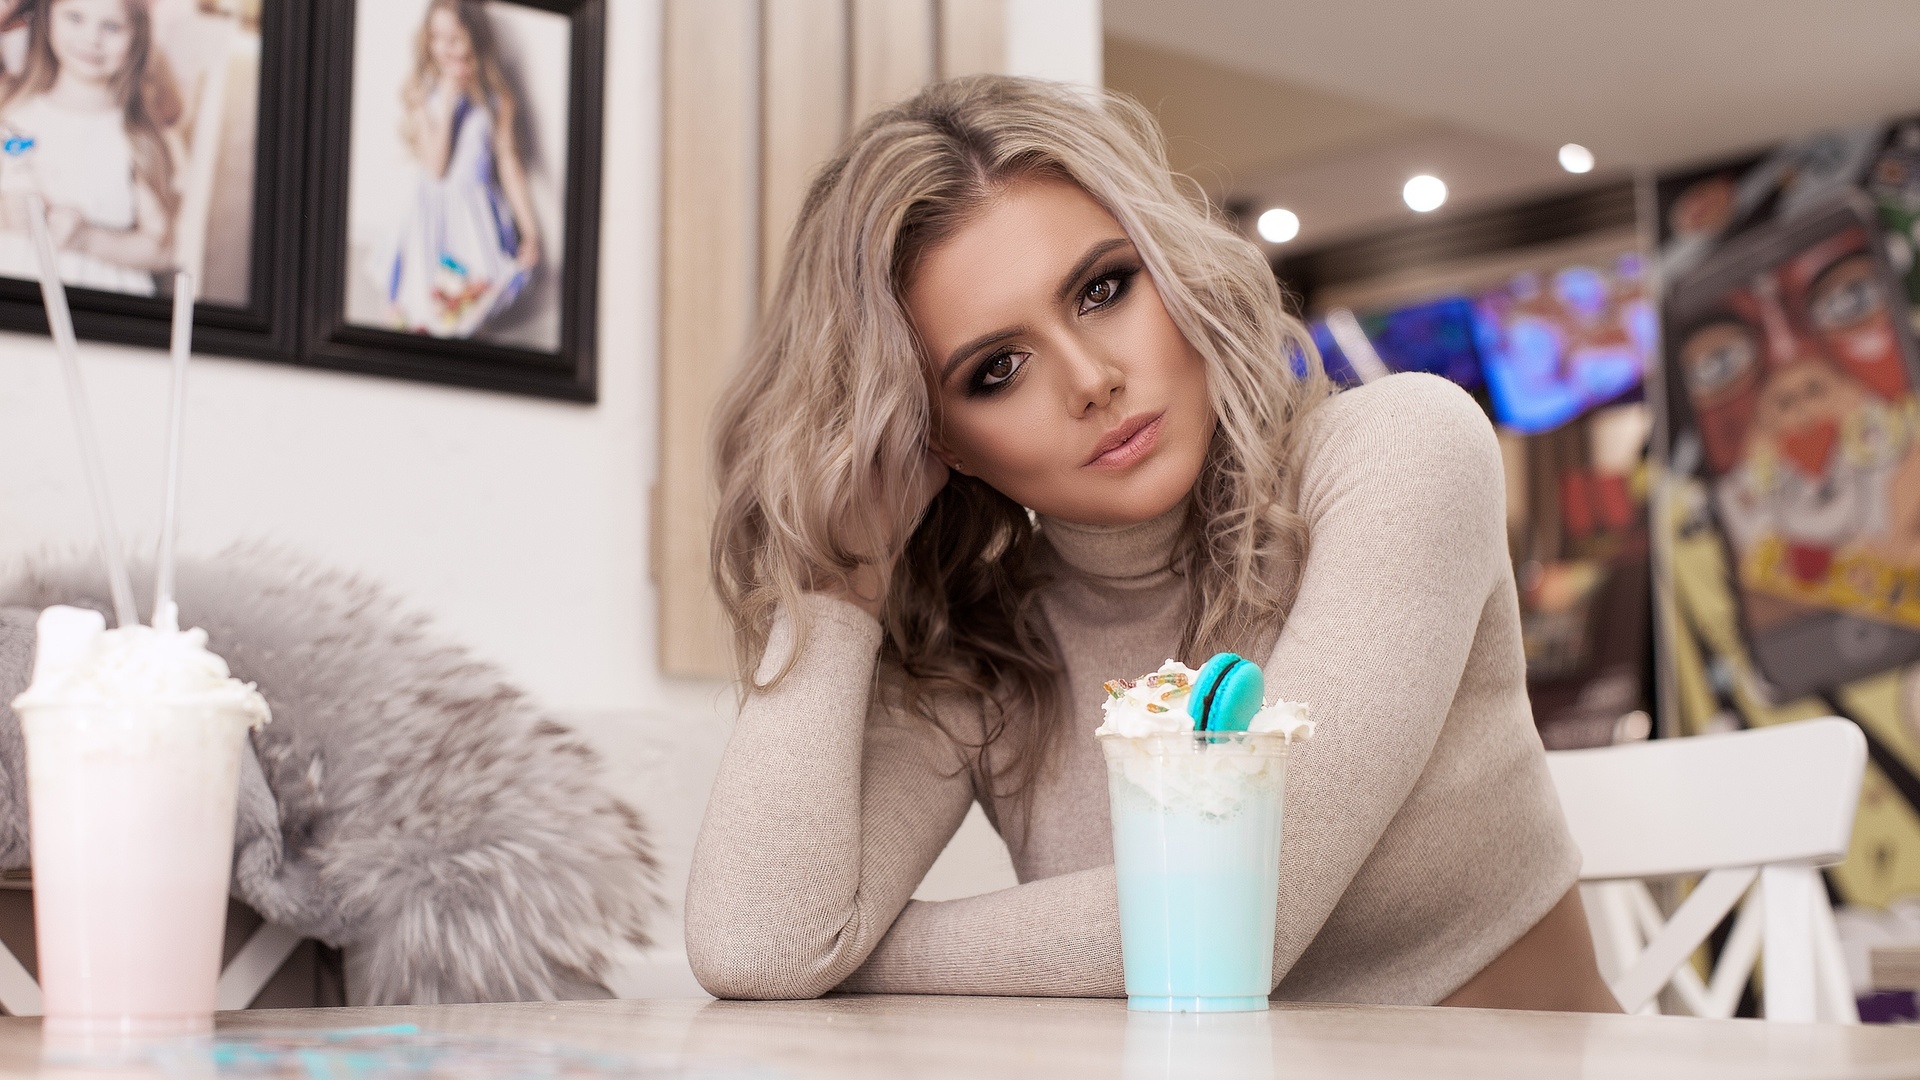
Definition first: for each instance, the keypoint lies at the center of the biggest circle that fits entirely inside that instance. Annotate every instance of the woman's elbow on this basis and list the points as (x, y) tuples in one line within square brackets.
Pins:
[(734, 968), (735, 954)]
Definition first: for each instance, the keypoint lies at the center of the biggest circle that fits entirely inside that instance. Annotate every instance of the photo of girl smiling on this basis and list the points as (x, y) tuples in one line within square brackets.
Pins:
[(94, 107), (1022, 416)]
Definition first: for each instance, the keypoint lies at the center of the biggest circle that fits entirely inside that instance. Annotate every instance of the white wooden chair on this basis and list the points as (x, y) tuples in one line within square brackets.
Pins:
[(1770, 805), (241, 981)]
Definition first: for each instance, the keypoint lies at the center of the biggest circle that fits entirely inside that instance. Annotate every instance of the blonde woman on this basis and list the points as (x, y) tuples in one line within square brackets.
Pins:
[(1021, 418)]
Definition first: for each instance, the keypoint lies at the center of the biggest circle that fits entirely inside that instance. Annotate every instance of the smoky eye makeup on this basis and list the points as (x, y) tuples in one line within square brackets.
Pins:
[(1107, 286), (995, 372), (1098, 291)]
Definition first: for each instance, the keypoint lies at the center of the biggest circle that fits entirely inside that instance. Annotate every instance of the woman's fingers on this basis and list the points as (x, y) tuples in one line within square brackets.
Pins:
[(866, 585)]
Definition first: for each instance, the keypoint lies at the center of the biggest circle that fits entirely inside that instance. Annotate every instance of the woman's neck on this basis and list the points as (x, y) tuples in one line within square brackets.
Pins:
[(75, 92), (1118, 551)]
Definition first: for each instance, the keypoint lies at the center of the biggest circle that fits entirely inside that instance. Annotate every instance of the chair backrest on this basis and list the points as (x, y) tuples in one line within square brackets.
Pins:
[(1764, 806), (1767, 796)]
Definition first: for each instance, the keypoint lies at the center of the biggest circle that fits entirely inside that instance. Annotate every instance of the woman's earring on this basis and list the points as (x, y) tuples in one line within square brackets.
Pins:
[(959, 466)]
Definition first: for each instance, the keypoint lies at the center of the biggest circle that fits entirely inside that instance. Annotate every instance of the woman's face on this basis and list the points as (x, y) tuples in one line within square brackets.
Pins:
[(91, 38), (449, 46), (1055, 374)]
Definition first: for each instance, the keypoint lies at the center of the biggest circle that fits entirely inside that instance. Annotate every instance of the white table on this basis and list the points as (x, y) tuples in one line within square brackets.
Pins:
[(1014, 1039)]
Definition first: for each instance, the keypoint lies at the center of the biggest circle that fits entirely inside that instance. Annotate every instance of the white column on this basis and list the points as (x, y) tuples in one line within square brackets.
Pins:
[(1055, 39)]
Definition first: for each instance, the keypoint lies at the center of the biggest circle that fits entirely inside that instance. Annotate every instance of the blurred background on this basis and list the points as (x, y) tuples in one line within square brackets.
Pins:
[(1625, 227)]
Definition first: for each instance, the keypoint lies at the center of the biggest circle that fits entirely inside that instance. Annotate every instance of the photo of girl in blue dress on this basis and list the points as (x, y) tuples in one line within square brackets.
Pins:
[(468, 242)]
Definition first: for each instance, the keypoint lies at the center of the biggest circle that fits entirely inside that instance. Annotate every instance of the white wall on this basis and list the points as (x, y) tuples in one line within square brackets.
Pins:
[(1055, 39), (520, 525)]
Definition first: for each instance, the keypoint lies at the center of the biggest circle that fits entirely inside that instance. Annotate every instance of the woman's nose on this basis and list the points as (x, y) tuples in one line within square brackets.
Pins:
[(1094, 379)]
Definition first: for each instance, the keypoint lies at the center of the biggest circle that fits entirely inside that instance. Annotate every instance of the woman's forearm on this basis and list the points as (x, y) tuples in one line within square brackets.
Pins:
[(1057, 937), (821, 823)]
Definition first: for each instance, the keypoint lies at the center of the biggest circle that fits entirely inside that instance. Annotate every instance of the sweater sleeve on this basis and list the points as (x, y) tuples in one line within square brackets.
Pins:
[(826, 814), (1404, 494), (1407, 505)]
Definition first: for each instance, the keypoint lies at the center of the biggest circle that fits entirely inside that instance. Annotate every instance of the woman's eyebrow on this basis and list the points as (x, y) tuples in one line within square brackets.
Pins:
[(1094, 254), (955, 357)]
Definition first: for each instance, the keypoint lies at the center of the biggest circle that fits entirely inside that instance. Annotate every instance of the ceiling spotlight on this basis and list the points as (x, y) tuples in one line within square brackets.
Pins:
[(1576, 158), (1278, 226), (1424, 192)]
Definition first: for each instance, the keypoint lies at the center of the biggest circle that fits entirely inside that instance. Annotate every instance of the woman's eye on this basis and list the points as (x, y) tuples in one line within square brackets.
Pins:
[(999, 369), (1104, 291)]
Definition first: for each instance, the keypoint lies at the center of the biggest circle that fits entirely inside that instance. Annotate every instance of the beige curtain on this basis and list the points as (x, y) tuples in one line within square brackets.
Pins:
[(758, 94)]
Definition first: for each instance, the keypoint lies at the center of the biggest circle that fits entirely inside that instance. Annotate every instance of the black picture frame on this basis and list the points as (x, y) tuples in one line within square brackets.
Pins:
[(330, 341), (267, 328)]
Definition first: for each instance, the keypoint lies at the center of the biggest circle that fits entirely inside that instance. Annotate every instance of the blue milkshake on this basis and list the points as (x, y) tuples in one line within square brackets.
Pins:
[(1196, 845)]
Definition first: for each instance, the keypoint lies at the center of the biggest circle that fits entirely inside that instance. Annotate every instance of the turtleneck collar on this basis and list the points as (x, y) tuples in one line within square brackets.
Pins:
[(1117, 551)]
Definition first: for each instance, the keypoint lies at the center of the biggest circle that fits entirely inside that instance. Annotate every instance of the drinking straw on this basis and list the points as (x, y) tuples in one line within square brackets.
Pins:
[(166, 615), (60, 324)]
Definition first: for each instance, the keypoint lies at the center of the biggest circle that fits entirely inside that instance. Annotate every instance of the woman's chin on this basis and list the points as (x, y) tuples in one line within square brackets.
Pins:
[(1115, 505)]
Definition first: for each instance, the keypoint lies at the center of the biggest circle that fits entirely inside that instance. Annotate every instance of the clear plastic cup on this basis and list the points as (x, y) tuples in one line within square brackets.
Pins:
[(1196, 851), (132, 810)]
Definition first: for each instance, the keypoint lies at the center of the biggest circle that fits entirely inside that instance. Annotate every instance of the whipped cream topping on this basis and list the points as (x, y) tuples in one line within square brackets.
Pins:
[(1156, 704), (80, 662), (1284, 718), (1153, 704)]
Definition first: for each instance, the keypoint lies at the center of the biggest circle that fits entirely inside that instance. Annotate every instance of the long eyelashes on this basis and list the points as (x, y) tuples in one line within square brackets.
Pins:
[(997, 372), (1107, 289)]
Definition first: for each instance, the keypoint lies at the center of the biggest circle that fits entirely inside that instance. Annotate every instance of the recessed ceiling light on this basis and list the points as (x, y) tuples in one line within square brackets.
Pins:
[(1424, 192), (1278, 226), (1576, 158)]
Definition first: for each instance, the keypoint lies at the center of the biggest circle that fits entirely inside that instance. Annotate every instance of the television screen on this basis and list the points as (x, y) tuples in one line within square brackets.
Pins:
[(1435, 336), (1555, 344)]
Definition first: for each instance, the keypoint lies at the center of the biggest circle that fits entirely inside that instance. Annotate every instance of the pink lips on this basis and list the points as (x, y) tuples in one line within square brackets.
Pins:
[(1127, 443)]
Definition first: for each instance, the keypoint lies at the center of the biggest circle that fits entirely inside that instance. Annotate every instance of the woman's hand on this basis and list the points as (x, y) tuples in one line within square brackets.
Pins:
[(866, 586)]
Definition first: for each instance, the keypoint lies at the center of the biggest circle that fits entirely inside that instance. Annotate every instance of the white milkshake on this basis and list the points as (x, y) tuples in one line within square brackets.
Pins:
[(133, 742)]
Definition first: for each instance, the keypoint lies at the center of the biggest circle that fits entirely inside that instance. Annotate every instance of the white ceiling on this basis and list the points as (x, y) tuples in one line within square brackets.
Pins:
[(1335, 161), (1641, 82)]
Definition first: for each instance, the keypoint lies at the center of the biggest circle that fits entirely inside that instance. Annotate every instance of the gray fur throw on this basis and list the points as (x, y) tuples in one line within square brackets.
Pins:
[(405, 804)]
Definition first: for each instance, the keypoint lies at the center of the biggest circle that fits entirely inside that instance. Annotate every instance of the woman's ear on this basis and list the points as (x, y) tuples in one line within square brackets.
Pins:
[(945, 456), (937, 446)]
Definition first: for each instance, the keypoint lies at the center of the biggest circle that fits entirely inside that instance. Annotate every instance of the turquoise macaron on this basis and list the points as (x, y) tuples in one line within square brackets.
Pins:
[(1228, 690)]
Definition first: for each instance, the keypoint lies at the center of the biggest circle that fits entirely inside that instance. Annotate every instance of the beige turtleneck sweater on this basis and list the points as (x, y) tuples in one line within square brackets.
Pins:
[(1422, 834)]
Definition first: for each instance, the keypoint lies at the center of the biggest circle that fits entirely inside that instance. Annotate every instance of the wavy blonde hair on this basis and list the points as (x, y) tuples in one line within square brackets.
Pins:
[(820, 433)]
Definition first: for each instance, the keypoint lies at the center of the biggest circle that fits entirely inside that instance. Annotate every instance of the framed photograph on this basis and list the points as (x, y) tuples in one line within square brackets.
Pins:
[(161, 135), (454, 197)]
